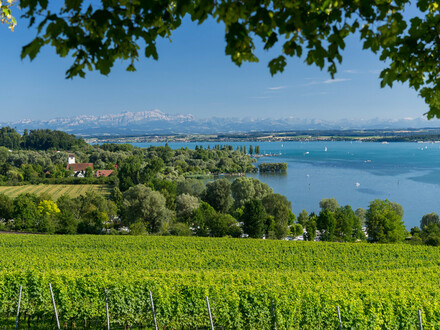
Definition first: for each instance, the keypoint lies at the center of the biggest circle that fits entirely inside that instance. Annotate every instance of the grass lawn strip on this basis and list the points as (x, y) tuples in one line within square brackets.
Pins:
[(33, 189), (76, 191), (105, 190), (81, 190), (17, 191), (6, 190), (70, 189), (45, 189), (22, 190), (64, 190), (56, 192)]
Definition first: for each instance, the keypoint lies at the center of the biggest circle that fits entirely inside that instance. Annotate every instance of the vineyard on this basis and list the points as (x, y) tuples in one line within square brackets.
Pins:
[(55, 190), (251, 284)]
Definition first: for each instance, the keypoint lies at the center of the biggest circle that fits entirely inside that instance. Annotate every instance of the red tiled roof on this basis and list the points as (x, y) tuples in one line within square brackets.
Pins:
[(106, 173), (80, 166)]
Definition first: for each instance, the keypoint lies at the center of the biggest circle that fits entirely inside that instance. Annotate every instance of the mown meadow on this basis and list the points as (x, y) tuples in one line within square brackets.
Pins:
[(56, 190), (250, 283)]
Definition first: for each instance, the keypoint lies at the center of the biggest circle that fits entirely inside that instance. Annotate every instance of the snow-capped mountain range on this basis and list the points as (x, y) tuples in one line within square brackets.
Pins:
[(158, 122)]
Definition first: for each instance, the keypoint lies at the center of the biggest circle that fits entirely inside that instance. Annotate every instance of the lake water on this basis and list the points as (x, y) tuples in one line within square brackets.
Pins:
[(352, 172)]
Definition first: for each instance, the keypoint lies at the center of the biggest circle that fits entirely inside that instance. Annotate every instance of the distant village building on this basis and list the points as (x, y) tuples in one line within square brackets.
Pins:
[(79, 169), (71, 159), (105, 173)]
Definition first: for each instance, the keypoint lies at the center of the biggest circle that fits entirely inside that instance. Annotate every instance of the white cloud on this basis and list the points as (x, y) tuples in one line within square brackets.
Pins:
[(351, 71), (328, 81), (334, 81), (276, 88)]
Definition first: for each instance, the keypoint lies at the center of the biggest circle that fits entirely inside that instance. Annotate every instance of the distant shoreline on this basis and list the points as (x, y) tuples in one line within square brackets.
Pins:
[(426, 135)]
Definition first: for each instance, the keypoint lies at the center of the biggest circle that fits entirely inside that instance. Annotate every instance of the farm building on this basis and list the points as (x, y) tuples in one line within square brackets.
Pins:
[(79, 169), (105, 173)]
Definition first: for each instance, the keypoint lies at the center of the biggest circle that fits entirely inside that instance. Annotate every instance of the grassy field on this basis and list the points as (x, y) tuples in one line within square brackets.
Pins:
[(251, 284), (55, 190)]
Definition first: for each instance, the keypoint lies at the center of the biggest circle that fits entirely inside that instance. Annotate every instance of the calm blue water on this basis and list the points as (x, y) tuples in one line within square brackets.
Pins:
[(353, 173)]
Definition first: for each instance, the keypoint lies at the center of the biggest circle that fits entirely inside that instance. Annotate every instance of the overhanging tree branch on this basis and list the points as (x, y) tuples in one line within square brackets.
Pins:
[(314, 30)]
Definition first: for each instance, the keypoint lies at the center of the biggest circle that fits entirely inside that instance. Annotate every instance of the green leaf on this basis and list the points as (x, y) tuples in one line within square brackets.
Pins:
[(131, 68), (151, 51), (277, 65), (32, 49)]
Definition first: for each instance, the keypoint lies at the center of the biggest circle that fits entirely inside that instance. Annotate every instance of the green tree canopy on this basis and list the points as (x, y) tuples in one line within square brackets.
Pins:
[(242, 190), (26, 213), (310, 227), (221, 225), (148, 206), (429, 218), (92, 222), (384, 223), (190, 186), (326, 224), (254, 218), (200, 217), (218, 195), (303, 217), (128, 173), (186, 204), (48, 207), (6, 207), (279, 207), (348, 225), (360, 213), (430, 229), (297, 229), (180, 229), (67, 224), (330, 204), (43, 139)]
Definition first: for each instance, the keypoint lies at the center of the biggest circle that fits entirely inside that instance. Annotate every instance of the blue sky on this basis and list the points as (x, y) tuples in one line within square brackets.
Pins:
[(193, 75)]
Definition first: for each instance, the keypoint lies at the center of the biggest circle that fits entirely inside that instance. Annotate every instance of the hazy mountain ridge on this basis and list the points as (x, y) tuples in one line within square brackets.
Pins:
[(158, 122)]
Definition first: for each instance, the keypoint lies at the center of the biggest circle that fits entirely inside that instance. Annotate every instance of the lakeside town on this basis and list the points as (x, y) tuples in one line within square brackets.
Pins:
[(427, 135)]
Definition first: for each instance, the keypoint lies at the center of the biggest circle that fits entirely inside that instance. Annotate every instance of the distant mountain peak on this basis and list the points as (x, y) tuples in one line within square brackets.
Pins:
[(157, 122)]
